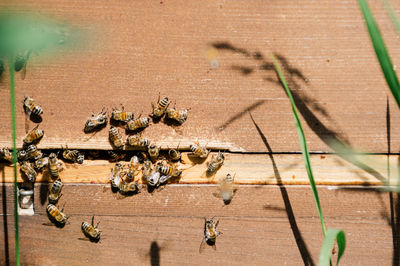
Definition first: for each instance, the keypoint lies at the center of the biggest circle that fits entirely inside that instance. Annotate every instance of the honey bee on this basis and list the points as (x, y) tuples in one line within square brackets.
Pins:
[(138, 142), (128, 188), (178, 115), (198, 151), (116, 138), (115, 176), (31, 107), (215, 163), (28, 170), (133, 167), (6, 154), (22, 155), (121, 115), (147, 169), (174, 154), (74, 155), (57, 215), (33, 152), (116, 156), (154, 152), (153, 179), (33, 136), (169, 170), (91, 231), (160, 108), (138, 123), (96, 121), (55, 191), (40, 163), (226, 189), (210, 234), (55, 165)]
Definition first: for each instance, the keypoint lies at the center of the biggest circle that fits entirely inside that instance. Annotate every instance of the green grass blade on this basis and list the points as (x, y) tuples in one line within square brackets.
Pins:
[(303, 144), (381, 52), (392, 15), (329, 240)]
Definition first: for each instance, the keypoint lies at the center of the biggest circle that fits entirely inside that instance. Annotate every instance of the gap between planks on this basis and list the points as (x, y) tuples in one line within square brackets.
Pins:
[(257, 169)]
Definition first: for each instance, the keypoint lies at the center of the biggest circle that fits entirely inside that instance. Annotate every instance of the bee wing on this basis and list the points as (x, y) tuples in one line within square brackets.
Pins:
[(203, 246)]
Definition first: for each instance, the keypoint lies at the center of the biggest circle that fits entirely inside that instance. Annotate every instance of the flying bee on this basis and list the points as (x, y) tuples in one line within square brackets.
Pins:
[(33, 152), (226, 189), (55, 191), (115, 176), (133, 167), (33, 136), (121, 115), (74, 155), (137, 141), (174, 154), (96, 121), (160, 108), (28, 170), (40, 163), (178, 115), (91, 231), (215, 163), (56, 215), (210, 234), (55, 165), (128, 188), (116, 138), (6, 154), (116, 156), (138, 123), (154, 151), (22, 155), (198, 151), (31, 107), (169, 170)]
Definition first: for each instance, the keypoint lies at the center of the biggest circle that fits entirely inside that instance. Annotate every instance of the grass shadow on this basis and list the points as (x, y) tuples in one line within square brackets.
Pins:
[(5, 222)]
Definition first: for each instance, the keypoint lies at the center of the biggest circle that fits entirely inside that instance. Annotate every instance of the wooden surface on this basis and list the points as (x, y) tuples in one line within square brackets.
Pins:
[(137, 49), (255, 226), (329, 169)]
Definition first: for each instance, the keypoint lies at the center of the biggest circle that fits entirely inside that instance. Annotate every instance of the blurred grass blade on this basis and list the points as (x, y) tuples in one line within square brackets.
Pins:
[(392, 15), (303, 144), (327, 246), (381, 52)]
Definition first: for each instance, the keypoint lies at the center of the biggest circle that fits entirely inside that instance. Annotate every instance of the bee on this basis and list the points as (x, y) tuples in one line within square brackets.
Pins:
[(55, 191), (74, 155), (91, 231), (116, 138), (215, 163), (198, 151), (178, 115), (169, 170), (31, 107), (55, 166), (154, 152), (153, 179), (33, 136), (226, 189), (138, 123), (96, 121), (133, 167), (121, 115), (93, 155), (22, 155), (40, 163), (128, 188), (29, 171), (138, 141), (210, 234), (116, 156), (174, 154), (33, 152), (6, 154), (115, 176), (160, 108), (57, 215), (147, 169)]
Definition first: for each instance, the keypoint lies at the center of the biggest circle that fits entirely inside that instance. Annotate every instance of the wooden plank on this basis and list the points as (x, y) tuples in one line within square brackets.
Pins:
[(329, 169), (138, 49), (255, 226)]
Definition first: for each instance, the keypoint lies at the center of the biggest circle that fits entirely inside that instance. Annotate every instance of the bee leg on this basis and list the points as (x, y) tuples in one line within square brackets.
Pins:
[(216, 224), (62, 209)]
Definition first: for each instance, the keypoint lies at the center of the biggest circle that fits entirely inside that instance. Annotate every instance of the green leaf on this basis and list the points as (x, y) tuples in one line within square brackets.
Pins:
[(392, 15), (381, 52), (327, 246)]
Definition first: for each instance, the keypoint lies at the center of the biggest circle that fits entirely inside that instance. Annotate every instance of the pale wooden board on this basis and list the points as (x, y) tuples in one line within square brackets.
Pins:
[(137, 49), (255, 227), (248, 169)]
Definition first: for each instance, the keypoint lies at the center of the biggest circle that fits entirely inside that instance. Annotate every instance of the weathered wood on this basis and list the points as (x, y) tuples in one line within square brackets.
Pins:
[(329, 169), (137, 50), (255, 226)]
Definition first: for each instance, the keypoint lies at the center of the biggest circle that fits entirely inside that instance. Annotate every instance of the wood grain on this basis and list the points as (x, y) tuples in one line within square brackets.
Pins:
[(136, 50), (255, 226), (329, 169)]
